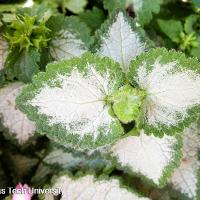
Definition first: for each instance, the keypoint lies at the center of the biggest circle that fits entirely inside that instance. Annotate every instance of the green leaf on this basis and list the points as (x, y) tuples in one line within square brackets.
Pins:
[(172, 84), (190, 23), (8, 17), (93, 18), (18, 127), (188, 42), (70, 37), (112, 5), (42, 174), (144, 9), (68, 102), (152, 158), (195, 51), (171, 28), (186, 179), (41, 11), (127, 103), (23, 65), (88, 187), (75, 6), (196, 3), (120, 39), (29, 28), (60, 158)]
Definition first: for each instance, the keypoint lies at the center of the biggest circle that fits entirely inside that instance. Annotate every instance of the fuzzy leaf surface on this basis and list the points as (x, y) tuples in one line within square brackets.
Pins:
[(150, 157), (68, 102), (70, 37), (185, 179), (172, 84), (120, 39), (87, 187), (127, 103), (19, 127)]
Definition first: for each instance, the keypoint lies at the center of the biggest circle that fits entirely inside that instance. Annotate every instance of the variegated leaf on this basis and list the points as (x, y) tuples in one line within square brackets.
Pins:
[(88, 188), (13, 119), (3, 52), (68, 102), (71, 37), (172, 85), (186, 178), (120, 39), (66, 45), (151, 157)]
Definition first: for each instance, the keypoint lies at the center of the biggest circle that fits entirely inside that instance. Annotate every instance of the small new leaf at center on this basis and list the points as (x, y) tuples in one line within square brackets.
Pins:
[(127, 103)]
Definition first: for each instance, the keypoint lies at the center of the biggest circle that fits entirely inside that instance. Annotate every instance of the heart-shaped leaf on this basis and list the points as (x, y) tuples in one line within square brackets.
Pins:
[(68, 102)]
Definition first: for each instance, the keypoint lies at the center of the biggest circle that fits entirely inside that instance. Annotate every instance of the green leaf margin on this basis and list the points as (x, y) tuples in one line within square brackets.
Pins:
[(167, 172), (11, 135), (56, 131), (102, 32), (166, 57), (74, 25), (103, 177)]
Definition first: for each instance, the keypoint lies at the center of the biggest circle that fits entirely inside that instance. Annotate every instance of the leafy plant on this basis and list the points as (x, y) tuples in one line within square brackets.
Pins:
[(111, 110)]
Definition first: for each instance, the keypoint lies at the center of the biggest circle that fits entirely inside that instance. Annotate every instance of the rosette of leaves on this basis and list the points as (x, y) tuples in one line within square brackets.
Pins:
[(27, 36), (90, 187), (153, 158), (69, 37), (152, 101)]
